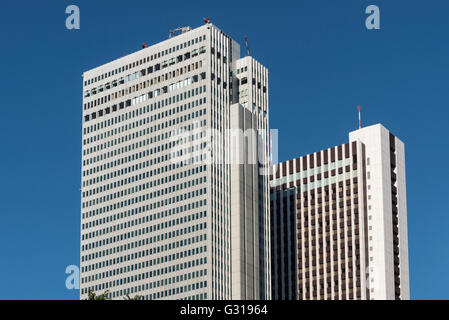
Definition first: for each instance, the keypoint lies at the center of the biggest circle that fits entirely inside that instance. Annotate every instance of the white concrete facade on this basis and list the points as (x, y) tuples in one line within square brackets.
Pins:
[(152, 226), (385, 165), (249, 185)]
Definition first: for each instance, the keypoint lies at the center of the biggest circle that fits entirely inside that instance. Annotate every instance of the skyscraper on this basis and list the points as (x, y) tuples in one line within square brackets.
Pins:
[(157, 189), (339, 221)]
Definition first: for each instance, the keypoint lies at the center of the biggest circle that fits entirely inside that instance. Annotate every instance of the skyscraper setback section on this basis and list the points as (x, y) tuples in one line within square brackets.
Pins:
[(156, 216)]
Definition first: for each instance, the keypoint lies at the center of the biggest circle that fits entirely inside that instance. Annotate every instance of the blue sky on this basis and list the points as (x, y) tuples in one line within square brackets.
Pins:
[(323, 62)]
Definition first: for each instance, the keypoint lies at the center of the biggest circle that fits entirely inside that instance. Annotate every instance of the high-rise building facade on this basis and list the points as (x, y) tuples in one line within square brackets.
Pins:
[(157, 194), (339, 221), (250, 228)]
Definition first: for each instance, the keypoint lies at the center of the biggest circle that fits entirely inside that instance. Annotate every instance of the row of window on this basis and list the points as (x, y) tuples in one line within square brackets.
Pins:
[(145, 60), (137, 188), (150, 95), (146, 275), (175, 141), (175, 279), (179, 290), (136, 124), (137, 244), (311, 172), (136, 75), (161, 181), (156, 149), (145, 84), (178, 278), (138, 144), (96, 266), (138, 199), (197, 215), (138, 113), (170, 235)]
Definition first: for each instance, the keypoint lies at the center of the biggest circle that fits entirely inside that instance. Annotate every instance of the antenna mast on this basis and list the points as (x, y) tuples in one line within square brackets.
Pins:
[(360, 118), (247, 48)]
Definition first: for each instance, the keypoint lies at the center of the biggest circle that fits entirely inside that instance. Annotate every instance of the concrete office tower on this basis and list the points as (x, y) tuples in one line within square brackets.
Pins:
[(387, 212), (156, 217), (249, 181), (339, 221)]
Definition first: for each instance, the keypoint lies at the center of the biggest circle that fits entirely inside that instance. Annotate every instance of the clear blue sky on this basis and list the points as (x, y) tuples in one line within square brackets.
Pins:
[(322, 61)]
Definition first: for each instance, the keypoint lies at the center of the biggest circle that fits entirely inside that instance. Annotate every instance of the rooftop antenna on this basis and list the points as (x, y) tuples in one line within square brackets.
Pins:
[(360, 118), (177, 31), (247, 48)]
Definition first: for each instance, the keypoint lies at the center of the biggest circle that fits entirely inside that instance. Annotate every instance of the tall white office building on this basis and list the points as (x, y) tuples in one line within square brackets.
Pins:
[(163, 214), (388, 269), (339, 221)]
